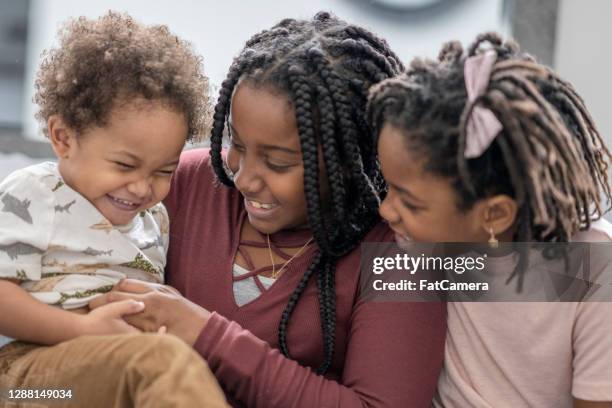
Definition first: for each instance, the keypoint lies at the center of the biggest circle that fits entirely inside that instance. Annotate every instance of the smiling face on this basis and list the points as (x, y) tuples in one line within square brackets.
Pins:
[(420, 206), (265, 157), (125, 166)]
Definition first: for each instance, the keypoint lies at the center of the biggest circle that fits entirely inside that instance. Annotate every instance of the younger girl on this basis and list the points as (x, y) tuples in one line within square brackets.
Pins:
[(492, 145)]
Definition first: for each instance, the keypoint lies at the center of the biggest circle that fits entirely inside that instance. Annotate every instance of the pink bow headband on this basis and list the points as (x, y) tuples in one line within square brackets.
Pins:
[(482, 125)]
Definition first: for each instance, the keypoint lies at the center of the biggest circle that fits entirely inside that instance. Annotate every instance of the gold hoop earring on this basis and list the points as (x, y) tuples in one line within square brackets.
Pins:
[(493, 242), (228, 171)]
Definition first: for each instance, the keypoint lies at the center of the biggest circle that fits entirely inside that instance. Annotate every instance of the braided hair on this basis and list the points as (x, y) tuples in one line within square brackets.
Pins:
[(549, 156), (325, 67)]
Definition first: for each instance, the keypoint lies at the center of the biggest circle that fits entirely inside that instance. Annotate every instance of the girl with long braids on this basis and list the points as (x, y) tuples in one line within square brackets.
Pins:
[(271, 260), (494, 146)]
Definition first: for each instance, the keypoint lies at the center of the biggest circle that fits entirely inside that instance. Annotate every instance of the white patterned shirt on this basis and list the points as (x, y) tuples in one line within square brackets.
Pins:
[(63, 250)]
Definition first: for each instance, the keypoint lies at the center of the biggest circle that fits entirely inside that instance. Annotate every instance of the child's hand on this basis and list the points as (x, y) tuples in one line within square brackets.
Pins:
[(108, 319), (165, 306)]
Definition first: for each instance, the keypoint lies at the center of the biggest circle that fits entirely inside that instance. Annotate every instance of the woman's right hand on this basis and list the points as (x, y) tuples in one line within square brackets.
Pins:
[(165, 306), (108, 319)]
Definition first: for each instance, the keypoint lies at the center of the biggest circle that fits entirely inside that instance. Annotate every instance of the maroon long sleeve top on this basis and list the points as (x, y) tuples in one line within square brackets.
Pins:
[(386, 354)]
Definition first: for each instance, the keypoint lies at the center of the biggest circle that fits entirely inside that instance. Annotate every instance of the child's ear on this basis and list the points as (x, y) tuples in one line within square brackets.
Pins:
[(61, 136), (498, 214)]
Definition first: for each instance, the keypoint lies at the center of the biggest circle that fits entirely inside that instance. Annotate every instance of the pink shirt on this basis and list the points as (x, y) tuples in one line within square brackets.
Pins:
[(529, 354), (386, 354)]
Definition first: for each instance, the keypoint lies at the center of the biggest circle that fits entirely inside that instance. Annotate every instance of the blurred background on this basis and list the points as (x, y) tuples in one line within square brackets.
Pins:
[(570, 35)]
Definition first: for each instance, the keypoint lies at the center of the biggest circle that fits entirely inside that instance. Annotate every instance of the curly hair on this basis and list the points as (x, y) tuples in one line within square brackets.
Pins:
[(114, 59), (549, 156), (325, 68)]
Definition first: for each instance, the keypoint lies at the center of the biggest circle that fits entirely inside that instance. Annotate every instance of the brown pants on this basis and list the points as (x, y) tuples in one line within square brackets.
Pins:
[(142, 370)]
